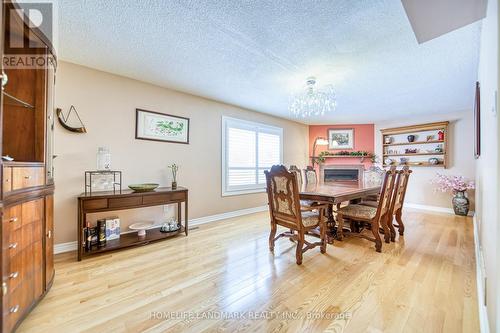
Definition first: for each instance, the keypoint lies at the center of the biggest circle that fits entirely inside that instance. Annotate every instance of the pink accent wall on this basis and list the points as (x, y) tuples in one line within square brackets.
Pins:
[(363, 140)]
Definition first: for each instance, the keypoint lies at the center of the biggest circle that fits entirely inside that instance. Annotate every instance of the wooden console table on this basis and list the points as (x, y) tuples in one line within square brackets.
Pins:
[(127, 199)]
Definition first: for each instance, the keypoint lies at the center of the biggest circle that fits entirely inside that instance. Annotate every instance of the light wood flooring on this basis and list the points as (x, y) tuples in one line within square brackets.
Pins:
[(425, 282)]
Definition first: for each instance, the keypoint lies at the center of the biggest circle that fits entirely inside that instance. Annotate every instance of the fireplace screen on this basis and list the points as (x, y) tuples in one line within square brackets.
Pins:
[(341, 175)]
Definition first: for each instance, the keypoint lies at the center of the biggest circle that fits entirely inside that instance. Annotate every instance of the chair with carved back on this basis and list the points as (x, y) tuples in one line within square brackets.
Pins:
[(373, 176), (398, 198), (298, 174), (310, 175), (373, 217), (285, 210)]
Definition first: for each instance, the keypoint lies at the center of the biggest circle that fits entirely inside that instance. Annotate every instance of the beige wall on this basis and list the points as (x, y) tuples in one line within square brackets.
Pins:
[(460, 158), (107, 103), (487, 175)]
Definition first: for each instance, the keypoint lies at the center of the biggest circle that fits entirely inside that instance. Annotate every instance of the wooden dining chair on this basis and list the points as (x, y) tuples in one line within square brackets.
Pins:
[(398, 198), (310, 176), (296, 171), (374, 217), (285, 210)]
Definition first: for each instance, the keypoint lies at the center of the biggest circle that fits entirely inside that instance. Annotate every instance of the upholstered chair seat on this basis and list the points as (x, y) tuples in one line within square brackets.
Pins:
[(310, 218), (358, 212)]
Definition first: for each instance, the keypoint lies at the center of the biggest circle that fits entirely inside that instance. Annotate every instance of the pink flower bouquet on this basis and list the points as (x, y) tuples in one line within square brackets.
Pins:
[(453, 183)]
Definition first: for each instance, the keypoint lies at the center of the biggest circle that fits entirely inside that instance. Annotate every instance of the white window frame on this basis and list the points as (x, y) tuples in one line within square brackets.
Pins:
[(257, 127)]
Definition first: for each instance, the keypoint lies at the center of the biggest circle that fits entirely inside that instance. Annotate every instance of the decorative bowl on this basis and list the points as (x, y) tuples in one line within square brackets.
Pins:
[(388, 161), (141, 227), (433, 161), (143, 187)]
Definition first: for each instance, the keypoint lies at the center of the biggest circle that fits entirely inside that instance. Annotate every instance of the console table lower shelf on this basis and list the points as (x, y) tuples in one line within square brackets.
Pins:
[(132, 239), (113, 201)]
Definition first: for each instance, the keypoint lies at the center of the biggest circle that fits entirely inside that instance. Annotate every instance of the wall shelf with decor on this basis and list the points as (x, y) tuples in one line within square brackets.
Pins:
[(424, 145)]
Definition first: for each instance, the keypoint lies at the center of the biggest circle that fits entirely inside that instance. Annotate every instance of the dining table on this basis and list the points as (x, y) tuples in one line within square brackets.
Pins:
[(336, 193)]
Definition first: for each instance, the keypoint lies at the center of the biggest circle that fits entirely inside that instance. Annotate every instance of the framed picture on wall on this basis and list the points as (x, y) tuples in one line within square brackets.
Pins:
[(477, 122), (157, 126), (341, 138)]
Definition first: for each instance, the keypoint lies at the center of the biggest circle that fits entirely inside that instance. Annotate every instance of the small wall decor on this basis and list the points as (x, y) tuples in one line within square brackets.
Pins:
[(63, 120), (157, 126), (341, 138)]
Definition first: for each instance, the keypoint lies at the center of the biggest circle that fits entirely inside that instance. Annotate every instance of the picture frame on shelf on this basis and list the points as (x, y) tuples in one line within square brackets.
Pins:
[(341, 138), (156, 126)]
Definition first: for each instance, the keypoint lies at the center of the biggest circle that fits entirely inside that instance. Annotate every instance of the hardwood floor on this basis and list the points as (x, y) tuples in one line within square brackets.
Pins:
[(425, 282)]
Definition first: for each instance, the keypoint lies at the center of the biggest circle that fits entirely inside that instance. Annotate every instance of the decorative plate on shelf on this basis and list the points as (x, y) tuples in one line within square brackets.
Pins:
[(143, 187), (141, 227)]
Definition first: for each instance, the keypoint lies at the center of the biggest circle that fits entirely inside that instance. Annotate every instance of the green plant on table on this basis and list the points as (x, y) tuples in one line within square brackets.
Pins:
[(174, 168)]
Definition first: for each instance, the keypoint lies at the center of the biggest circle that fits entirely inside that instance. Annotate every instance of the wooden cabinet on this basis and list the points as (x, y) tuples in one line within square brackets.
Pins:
[(49, 240), (22, 255), (27, 187), (7, 179), (25, 176)]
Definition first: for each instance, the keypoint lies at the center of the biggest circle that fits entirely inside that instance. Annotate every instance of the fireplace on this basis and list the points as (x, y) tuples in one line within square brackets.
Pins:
[(336, 175), (341, 173)]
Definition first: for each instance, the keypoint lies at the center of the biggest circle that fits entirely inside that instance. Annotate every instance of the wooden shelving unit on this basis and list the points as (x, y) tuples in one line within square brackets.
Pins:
[(433, 147)]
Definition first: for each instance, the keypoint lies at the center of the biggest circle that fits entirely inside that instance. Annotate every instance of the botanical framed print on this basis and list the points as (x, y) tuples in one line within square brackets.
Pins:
[(477, 122), (341, 138), (164, 127)]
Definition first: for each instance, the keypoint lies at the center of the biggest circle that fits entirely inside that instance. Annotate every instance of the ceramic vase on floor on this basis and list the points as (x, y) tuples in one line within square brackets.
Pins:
[(460, 203)]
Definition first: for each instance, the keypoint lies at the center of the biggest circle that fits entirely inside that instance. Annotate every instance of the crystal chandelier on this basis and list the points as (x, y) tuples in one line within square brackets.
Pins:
[(313, 101)]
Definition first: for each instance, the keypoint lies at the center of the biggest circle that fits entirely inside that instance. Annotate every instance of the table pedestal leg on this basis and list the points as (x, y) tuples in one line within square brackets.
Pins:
[(332, 231)]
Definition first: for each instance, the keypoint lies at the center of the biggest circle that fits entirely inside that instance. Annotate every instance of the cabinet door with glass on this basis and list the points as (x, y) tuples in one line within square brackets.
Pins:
[(51, 78)]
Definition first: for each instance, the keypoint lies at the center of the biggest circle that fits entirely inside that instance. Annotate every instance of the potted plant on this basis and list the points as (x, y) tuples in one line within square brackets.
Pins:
[(457, 185), (174, 168)]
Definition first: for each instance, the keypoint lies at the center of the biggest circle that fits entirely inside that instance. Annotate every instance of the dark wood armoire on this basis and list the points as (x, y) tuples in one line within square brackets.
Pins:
[(27, 186)]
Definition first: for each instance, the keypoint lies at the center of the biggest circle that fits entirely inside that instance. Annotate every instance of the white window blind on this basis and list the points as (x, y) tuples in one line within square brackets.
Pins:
[(248, 148)]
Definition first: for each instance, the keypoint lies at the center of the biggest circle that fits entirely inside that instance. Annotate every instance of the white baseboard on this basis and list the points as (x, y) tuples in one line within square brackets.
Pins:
[(65, 247), (227, 215), (72, 246), (436, 209), (483, 313)]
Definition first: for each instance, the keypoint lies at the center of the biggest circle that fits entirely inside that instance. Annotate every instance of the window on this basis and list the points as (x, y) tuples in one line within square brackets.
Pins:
[(248, 149)]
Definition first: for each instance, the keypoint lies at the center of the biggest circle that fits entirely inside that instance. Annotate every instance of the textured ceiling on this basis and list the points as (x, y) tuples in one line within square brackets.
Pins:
[(255, 54)]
